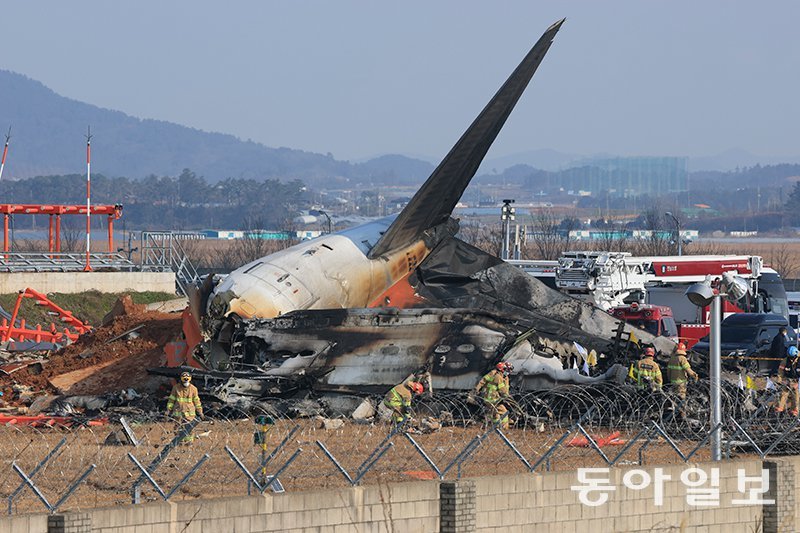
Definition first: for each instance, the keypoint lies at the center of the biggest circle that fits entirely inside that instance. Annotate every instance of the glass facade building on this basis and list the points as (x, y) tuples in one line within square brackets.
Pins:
[(627, 176)]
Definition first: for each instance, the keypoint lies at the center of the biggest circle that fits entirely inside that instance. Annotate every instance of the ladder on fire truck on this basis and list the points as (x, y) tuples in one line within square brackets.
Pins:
[(607, 278)]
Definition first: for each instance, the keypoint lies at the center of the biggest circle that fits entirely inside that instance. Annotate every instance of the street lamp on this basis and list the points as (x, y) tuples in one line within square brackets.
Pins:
[(321, 212), (701, 294), (678, 225)]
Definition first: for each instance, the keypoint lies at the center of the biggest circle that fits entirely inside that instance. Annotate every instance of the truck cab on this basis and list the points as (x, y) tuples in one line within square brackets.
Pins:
[(746, 339), (655, 319)]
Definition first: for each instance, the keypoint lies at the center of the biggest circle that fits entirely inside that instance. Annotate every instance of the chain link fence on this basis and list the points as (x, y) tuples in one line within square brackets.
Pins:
[(137, 457)]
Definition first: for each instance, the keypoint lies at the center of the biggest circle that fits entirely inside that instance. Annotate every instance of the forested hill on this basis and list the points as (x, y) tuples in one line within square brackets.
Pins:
[(48, 139)]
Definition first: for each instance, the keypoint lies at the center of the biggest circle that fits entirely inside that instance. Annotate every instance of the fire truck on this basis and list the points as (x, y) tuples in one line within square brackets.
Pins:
[(614, 281), (655, 319)]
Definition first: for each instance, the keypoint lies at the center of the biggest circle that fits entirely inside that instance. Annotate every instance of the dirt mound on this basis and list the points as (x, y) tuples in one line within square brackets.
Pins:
[(112, 357), (124, 306)]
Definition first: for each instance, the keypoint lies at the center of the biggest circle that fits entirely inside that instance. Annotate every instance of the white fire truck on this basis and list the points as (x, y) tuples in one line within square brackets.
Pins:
[(615, 280)]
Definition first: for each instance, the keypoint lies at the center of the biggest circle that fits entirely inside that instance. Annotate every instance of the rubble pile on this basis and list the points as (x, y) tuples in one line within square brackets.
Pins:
[(113, 357)]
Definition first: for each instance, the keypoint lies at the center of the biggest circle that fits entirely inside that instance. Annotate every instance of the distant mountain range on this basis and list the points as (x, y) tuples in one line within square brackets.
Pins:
[(47, 140), (48, 128)]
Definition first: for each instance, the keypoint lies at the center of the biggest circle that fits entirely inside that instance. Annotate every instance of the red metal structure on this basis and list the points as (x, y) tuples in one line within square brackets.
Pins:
[(39, 334), (113, 212)]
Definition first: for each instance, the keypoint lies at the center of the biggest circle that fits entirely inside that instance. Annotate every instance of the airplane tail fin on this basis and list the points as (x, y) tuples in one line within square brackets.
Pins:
[(435, 200)]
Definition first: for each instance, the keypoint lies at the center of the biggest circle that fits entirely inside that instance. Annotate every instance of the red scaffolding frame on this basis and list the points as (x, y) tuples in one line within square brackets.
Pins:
[(114, 212)]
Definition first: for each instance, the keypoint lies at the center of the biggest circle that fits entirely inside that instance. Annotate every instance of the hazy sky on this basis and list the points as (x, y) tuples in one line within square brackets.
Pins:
[(362, 78)]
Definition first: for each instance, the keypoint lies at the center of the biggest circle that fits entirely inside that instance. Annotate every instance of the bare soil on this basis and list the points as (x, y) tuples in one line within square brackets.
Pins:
[(111, 482), (128, 356)]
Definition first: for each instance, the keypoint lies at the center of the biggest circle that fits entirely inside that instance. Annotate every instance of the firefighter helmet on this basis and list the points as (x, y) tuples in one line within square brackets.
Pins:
[(649, 352), (416, 387), (502, 366), (681, 349), (186, 377)]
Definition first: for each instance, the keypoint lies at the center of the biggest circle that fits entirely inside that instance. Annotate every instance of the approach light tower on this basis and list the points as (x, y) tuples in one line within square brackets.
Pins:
[(507, 214)]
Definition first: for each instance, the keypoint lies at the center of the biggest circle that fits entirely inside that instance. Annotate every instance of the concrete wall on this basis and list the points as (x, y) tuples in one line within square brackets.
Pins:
[(407, 507), (24, 524), (512, 503), (72, 282), (516, 503)]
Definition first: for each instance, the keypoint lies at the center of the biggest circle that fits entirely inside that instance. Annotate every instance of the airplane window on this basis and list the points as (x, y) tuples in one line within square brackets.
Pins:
[(442, 348), (466, 348), (390, 350), (415, 350)]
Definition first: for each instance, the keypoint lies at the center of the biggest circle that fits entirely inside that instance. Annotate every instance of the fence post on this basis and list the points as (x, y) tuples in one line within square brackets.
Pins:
[(780, 515), (457, 506)]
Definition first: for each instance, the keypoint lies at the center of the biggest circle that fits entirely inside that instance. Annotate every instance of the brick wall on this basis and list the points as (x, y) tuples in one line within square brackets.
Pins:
[(457, 506)]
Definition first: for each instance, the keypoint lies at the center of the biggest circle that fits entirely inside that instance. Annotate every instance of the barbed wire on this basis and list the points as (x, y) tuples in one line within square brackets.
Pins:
[(314, 445)]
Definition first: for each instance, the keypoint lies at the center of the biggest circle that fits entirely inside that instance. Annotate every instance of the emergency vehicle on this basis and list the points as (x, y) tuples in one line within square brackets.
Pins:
[(616, 280)]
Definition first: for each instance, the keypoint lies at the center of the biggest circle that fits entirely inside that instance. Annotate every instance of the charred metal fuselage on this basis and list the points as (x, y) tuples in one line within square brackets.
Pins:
[(370, 350)]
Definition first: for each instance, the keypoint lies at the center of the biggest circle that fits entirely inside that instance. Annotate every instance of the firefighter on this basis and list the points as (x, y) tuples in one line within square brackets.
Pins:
[(646, 371), (679, 370), (184, 405), (495, 390), (422, 376), (789, 370), (398, 399)]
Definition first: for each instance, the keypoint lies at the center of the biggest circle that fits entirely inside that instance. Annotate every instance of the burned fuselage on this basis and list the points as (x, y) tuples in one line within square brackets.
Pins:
[(370, 350)]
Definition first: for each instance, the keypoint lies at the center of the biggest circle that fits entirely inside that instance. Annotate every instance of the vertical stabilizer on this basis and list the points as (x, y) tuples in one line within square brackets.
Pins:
[(435, 200)]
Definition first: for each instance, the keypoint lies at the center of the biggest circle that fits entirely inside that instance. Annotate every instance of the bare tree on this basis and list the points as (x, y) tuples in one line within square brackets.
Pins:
[(781, 258), (487, 237), (550, 237), (659, 242), (72, 234)]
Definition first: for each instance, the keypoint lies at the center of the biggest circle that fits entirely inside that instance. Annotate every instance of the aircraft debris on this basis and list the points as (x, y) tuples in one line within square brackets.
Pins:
[(330, 423), (10, 368), (357, 311)]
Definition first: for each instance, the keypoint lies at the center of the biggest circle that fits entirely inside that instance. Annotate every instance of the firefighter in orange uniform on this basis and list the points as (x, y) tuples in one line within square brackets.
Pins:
[(788, 375), (184, 404)]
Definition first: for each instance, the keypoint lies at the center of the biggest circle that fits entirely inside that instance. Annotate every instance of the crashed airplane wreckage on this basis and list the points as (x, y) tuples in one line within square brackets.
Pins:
[(360, 310)]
